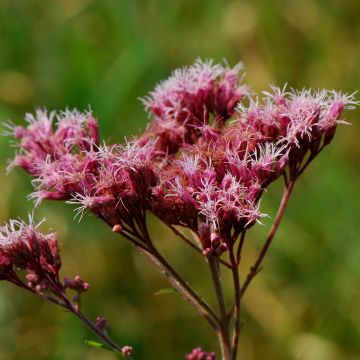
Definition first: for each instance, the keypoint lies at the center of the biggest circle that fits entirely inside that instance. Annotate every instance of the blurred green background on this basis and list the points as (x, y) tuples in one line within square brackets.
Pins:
[(305, 305)]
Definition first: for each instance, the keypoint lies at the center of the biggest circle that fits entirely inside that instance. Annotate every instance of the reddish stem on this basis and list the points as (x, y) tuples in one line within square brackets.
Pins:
[(256, 267), (223, 334)]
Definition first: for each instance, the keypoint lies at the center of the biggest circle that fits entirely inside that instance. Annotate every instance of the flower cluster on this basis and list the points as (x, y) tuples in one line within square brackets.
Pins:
[(199, 354), (54, 156), (184, 105), (190, 167), (30, 260), (23, 248)]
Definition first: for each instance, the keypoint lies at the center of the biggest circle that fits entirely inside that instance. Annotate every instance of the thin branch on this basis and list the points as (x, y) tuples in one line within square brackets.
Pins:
[(174, 278), (135, 242), (65, 303), (183, 237), (194, 246), (256, 267), (98, 332), (240, 247)]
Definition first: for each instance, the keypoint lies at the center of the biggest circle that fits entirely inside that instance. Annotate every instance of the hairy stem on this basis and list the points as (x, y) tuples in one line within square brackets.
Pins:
[(256, 267), (223, 333)]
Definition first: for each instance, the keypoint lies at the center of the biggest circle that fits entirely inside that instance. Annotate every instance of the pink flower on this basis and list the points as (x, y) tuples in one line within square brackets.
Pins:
[(24, 247), (190, 167), (199, 354), (74, 131), (188, 99)]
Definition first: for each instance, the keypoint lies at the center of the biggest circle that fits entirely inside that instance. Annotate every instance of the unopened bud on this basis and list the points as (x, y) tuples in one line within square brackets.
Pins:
[(126, 350), (101, 323), (117, 228), (32, 278), (223, 247), (207, 252), (215, 239)]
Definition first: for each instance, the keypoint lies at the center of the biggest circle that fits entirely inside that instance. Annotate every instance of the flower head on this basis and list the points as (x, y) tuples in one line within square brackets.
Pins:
[(73, 131), (189, 99), (24, 247)]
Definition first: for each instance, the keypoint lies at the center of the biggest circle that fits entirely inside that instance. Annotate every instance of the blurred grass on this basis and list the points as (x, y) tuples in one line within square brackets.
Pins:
[(106, 54)]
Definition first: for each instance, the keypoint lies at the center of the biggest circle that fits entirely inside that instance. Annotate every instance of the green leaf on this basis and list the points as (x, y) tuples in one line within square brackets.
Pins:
[(166, 291), (98, 345)]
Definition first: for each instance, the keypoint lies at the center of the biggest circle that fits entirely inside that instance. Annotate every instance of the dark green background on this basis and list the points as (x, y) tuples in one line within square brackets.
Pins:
[(106, 54)]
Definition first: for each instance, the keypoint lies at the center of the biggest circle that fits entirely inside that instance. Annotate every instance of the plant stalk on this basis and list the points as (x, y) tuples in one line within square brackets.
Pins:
[(237, 297), (223, 333), (256, 267)]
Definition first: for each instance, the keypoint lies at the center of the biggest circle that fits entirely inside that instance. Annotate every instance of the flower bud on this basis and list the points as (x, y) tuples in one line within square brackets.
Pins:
[(215, 240), (101, 323), (126, 350), (117, 228)]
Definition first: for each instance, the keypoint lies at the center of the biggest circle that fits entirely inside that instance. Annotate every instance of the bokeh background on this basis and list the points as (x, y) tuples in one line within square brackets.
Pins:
[(305, 305)]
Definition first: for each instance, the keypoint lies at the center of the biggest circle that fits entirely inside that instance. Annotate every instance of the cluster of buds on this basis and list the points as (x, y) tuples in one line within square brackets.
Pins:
[(199, 354), (79, 286), (211, 241), (24, 248), (191, 167), (30, 260)]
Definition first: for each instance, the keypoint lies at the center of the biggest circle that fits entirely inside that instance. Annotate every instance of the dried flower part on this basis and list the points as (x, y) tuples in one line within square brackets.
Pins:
[(199, 354)]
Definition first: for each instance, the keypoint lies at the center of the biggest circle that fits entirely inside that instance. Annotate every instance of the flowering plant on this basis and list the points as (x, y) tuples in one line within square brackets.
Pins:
[(193, 168)]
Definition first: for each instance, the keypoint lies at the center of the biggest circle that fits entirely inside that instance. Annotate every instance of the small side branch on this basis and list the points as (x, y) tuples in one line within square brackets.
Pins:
[(256, 267)]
